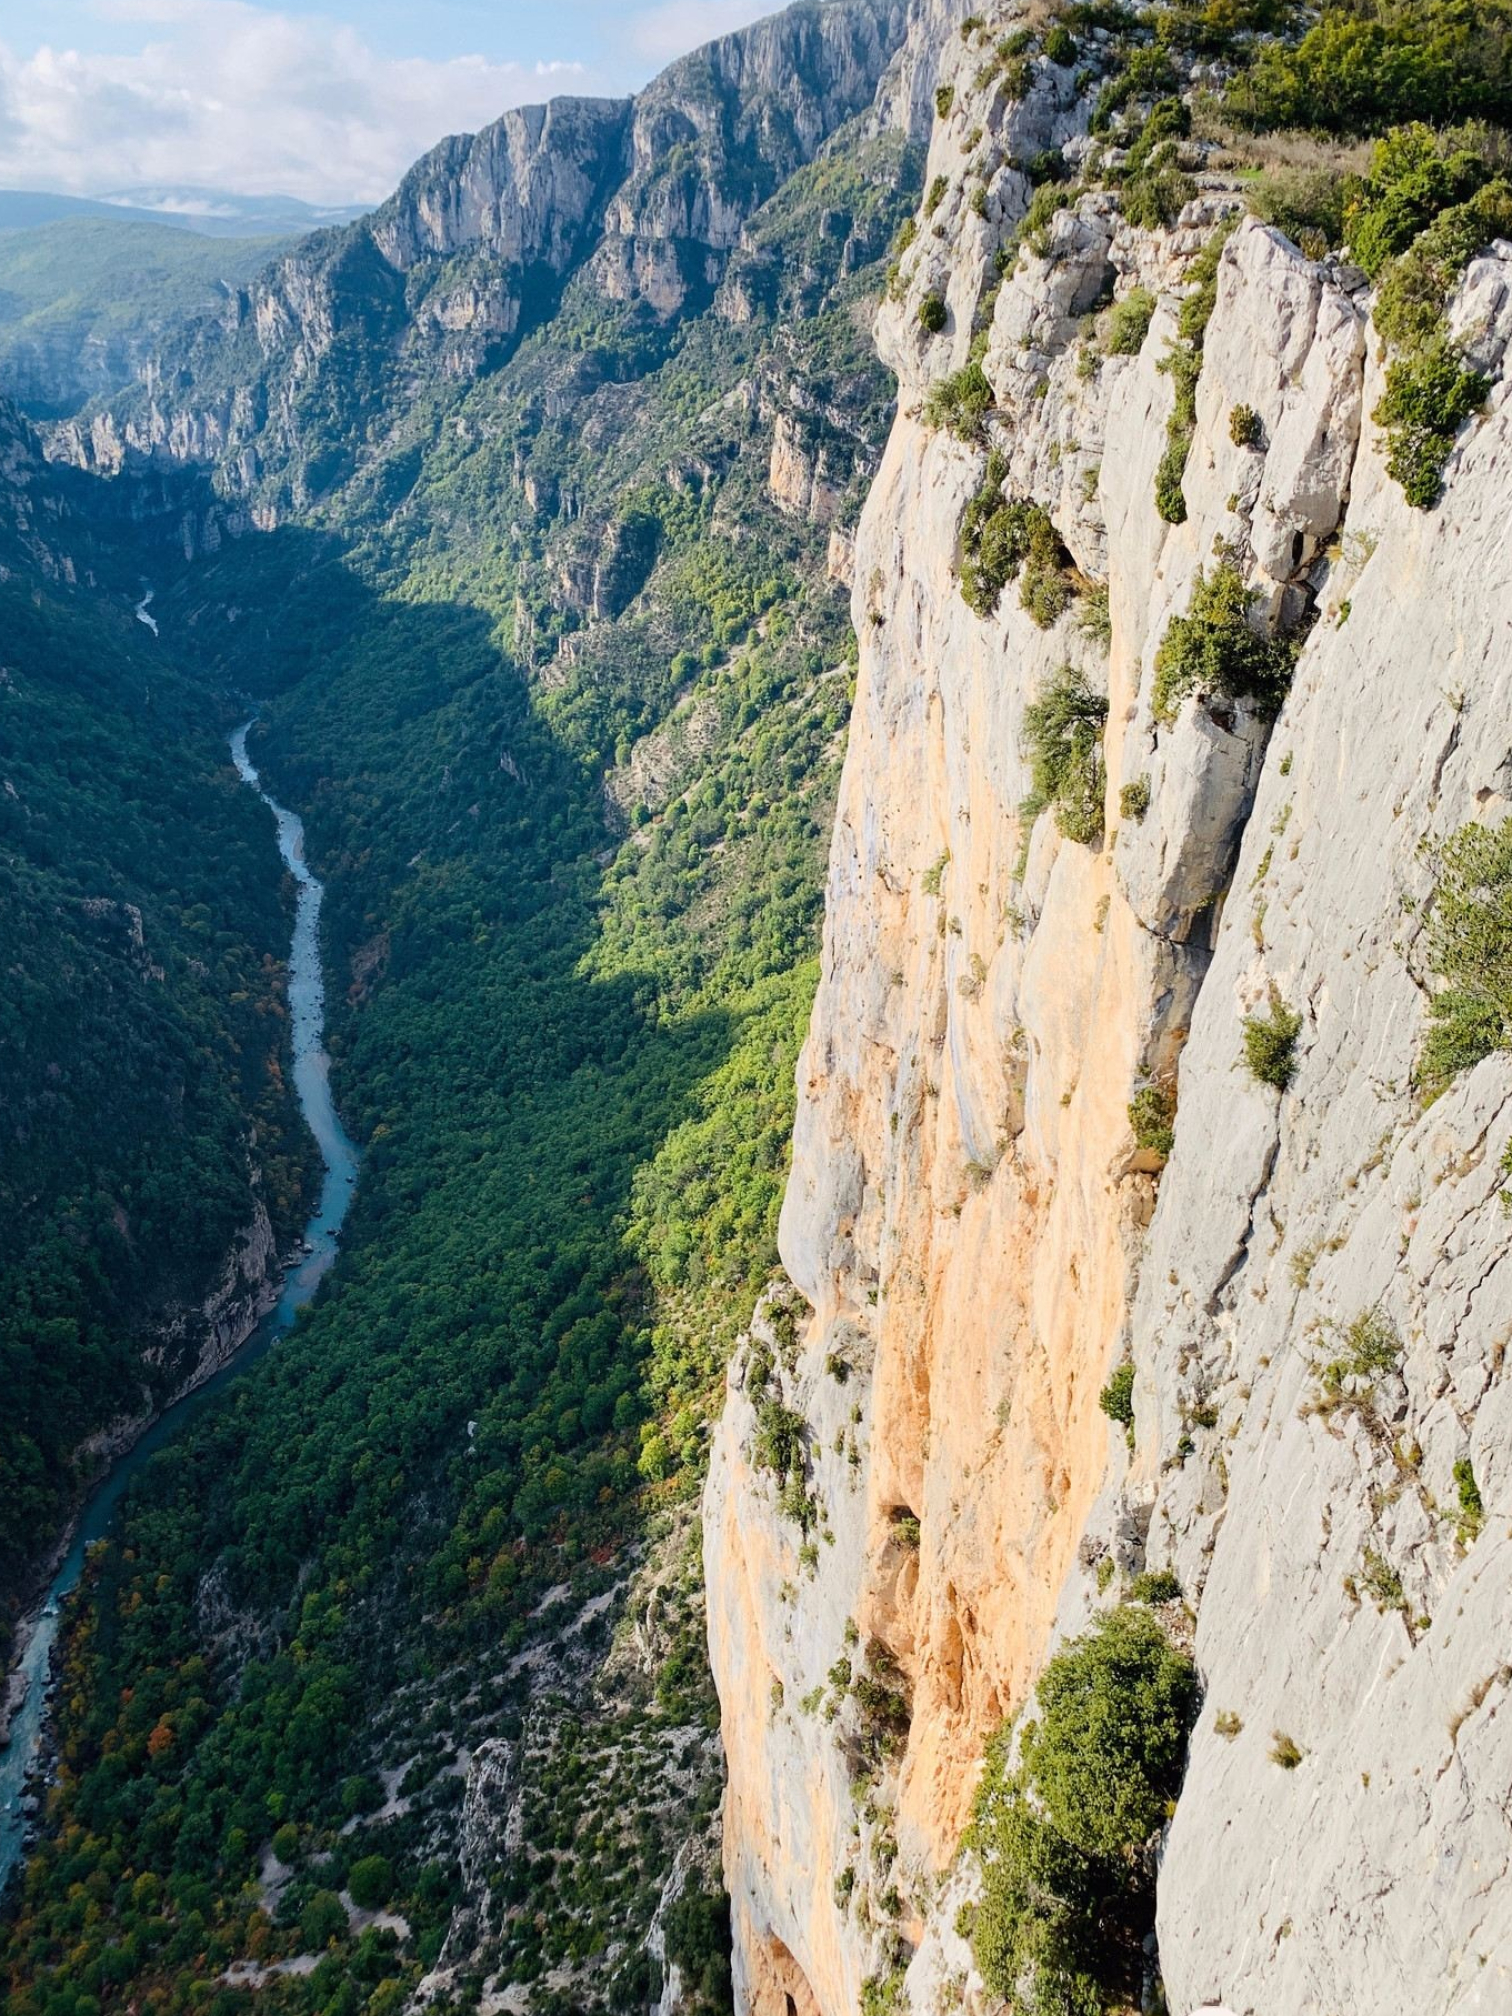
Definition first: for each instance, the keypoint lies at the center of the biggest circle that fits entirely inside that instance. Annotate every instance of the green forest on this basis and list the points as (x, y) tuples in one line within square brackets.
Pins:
[(141, 1037), (561, 694), (566, 1001)]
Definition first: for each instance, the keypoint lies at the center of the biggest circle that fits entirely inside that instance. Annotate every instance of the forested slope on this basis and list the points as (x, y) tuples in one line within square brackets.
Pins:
[(149, 1157), (558, 675), (85, 301)]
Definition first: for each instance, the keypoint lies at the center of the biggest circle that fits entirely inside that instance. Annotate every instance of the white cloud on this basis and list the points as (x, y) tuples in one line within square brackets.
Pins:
[(225, 94), (675, 26)]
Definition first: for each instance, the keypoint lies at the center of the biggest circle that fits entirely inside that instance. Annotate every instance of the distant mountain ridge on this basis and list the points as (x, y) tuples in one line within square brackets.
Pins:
[(87, 301), (211, 213), (646, 198)]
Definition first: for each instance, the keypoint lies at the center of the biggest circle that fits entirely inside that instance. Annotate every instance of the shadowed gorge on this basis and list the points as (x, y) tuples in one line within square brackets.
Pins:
[(149, 1160), (557, 679), (892, 654)]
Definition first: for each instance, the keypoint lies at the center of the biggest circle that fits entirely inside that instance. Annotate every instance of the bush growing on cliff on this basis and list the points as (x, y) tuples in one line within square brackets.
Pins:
[(1047, 589), (1068, 1890), (883, 1993), (1184, 368), (961, 402), (1470, 952), (1106, 1752), (1183, 363), (883, 1713), (1215, 649), (1415, 288), (1368, 1349), (1153, 188), (1134, 799), (1003, 537), (906, 233), (1427, 400), (1117, 1397), (778, 1446), (1129, 322), (1094, 618), (1063, 735), (1153, 201), (1430, 202), (1270, 1043), (932, 314), (1152, 1116), (1156, 1586), (1035, 1932), (995, 540), (1472, 1508), (1034, 226)]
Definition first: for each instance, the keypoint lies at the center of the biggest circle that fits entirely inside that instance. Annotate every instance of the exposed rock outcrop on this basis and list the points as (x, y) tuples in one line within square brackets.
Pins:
[(913, 1480), (60, 523), (906, 96), (640, 202), (800, 481)]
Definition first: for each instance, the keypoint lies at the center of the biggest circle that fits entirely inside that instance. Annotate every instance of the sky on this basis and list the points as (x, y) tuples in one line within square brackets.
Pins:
[(328, 100)]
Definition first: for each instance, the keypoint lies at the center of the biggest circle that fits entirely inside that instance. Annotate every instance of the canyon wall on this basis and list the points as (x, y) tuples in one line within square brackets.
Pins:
[(637, 204), (976, 1237)]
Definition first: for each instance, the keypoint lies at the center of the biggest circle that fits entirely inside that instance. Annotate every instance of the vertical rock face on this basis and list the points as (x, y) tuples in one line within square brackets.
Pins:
[(1336, 1605), (520, 189), (914, 1490), (52, 519), (906, 96), (639, 201)]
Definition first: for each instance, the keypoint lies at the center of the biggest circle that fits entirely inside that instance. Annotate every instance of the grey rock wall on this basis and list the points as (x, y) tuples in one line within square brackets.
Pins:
[(976, 1237)]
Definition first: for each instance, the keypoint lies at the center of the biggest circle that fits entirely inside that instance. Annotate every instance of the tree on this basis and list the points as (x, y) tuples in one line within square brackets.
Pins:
[(370, 1882)]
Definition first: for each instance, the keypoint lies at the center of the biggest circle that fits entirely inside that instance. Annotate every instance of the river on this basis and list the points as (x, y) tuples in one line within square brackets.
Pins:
[(312, 1084)]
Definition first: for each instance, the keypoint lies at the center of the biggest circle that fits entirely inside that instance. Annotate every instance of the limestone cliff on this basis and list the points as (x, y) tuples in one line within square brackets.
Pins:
[(639, 202), (65, 526), (914, 1483)]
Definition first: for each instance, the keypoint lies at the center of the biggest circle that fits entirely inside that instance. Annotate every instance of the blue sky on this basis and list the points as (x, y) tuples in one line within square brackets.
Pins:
[(608, 34), (327, 101)]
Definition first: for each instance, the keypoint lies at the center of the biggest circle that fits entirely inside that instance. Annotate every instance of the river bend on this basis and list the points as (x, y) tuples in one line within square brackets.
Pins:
[(19, 1790)]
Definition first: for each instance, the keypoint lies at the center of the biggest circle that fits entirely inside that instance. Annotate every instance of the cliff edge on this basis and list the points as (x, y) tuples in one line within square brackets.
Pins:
[(1176, 725)]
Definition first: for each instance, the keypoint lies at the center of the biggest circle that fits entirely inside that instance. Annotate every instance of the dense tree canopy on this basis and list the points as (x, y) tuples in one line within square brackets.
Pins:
[(568, 986), (141, 1034)]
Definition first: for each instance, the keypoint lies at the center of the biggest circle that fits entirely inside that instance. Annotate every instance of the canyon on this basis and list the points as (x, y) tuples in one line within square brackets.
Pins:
[(902, 432)]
